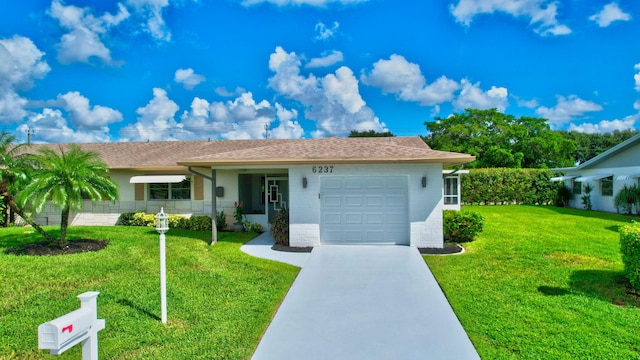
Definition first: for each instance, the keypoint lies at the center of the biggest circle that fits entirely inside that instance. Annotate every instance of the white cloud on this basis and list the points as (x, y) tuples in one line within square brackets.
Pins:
[(405, 79), (567, 109), (85, 116), (636, 76), (541, 13), (324, 33), (609, 14), (342, 88), (288, 127), (472, 96), (318, 3), (327, 59), (151, 12), (226, 93), (50, 126), (606, 126), (333, 102), (84, 39), (21, 63), (188, 78), (531, 104), (155, 120)]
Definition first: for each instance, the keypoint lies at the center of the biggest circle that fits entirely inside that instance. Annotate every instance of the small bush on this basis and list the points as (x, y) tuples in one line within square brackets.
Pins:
[(563, 195), (200, 223), (630, 248), (176, 222), (280, 227), (221, 221), (126, 219), (253, 227), (461, 226), (143, 219)]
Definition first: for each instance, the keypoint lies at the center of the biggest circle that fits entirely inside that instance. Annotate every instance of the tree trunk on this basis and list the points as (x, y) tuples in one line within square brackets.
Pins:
[(14, 207), (64, 224)]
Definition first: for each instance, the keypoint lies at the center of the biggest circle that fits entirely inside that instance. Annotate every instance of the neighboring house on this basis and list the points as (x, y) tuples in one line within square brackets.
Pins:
[(607, 173), (337, 190)]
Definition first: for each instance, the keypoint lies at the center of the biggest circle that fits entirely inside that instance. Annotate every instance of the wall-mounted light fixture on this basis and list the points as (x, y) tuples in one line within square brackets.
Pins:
[(304, 182), (219, 191), (424, 181)]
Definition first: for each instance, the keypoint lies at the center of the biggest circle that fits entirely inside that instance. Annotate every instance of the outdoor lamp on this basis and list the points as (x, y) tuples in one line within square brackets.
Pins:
[(162, 226), (162, 222), (304, 182), (424, 181)]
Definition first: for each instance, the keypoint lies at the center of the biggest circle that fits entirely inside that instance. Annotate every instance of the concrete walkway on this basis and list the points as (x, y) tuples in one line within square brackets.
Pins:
[(365, 302)]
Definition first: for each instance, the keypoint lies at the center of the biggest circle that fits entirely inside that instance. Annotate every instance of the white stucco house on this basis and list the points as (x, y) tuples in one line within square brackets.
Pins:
[(607, 173), (337, 190)]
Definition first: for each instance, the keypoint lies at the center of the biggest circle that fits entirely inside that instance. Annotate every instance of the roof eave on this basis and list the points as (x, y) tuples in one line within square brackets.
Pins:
[(448, 161)]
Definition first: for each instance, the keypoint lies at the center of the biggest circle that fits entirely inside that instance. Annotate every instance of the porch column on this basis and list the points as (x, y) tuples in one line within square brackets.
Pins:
[(214, 210)]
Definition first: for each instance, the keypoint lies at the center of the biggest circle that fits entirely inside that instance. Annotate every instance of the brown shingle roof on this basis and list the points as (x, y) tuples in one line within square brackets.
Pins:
[(174, 155)]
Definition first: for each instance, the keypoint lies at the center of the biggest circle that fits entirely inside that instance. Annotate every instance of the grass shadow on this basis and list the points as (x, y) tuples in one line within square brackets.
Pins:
[(553, 290), (127, 302), (607, 285)]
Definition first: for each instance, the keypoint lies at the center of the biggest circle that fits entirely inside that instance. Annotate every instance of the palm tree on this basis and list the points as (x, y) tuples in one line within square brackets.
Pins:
[(66, 178), (14, 166)]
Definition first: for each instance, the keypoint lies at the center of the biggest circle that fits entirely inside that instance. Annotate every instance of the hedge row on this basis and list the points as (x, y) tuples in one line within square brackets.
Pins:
[(461, 226), (630, 248), (502, 186), (175, 221)]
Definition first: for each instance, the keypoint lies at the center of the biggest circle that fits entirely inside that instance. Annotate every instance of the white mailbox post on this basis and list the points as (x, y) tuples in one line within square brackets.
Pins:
[(81, 325)]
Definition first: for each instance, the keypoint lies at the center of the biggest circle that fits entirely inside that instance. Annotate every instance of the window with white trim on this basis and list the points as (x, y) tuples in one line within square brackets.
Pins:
[(170, 191), (576, 186), (606, 186), (451, 196)]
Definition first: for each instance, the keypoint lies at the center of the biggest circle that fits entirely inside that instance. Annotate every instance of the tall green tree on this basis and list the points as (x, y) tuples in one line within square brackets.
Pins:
[(500, 140), (370, 133), (589, 146), (67, 178), (14, 169)]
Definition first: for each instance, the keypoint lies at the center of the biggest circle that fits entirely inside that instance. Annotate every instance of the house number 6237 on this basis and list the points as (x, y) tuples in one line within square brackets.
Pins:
[(322, 169)]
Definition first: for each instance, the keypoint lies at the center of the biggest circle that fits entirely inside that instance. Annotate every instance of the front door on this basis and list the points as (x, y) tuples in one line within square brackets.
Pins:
[(277, 195)]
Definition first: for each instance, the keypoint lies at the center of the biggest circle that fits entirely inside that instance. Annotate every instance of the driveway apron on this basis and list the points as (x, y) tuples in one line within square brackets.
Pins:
[(365, 302)]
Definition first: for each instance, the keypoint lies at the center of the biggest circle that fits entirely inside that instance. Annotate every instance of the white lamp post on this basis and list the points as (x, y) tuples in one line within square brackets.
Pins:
[(162, 226)]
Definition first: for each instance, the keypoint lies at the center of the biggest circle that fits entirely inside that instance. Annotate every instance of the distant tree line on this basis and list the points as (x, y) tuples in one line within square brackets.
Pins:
[(500, 140)]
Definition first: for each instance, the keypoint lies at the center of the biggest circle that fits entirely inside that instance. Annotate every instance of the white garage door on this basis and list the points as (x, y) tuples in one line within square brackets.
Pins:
[(364, 210)]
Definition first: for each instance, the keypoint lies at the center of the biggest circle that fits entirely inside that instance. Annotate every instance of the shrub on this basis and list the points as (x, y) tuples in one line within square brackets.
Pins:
[(280, 227), (126, 219), (221, 220), (461, 226), (199, 223), (586, 198), (564, 195), (626, 199), (143, 219), (253, 227), (630, 248), (176, 222)]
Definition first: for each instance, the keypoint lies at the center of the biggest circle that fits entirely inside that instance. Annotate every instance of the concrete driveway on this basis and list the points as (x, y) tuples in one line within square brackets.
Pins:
[(365, 302)]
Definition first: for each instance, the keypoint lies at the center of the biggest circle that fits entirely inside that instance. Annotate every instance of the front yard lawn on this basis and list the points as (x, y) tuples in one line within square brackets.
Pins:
[(219, 299), (543, 283)]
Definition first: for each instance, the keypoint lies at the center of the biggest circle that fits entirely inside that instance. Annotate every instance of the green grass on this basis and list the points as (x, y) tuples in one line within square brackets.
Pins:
[(543, 283), (219, 299)]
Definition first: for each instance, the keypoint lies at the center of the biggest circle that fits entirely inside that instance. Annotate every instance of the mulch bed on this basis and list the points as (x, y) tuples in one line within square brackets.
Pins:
[(448, 249), (42, 248)]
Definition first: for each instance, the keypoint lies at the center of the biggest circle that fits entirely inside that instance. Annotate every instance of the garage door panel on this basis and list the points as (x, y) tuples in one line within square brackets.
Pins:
[(374, 183), (333, 218), (353, 200), (364, 210), (353, 218), (332, 201), (375, 219)]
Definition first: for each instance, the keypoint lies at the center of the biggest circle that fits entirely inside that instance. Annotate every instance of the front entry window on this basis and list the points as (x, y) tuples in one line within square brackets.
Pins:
[(251, 192), (170, 191)]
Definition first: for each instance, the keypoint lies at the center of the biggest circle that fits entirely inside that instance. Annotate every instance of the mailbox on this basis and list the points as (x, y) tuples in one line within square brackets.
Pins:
[(59, 333), (80, 325)]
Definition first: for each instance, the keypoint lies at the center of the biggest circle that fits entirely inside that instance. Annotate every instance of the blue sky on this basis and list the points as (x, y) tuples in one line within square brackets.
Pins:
[(138, 70)]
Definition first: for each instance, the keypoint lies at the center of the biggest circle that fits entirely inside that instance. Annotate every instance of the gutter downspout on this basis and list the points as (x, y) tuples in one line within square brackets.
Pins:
[(214, 210)]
